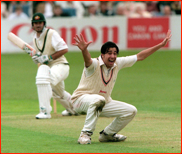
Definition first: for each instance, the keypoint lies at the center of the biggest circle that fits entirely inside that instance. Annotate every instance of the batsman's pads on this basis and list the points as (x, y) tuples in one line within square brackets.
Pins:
[(44, 88)]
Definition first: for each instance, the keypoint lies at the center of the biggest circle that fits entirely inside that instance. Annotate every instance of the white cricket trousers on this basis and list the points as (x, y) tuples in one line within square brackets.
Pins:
[(123, 112), (59, 73)]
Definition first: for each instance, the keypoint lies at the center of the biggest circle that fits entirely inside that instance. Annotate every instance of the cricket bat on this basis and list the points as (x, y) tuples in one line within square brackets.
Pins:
[(21, 44)]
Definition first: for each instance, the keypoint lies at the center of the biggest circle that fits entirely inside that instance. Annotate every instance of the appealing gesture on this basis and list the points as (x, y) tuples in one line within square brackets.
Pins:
[(167, 39), (147, 52), (81, 43)]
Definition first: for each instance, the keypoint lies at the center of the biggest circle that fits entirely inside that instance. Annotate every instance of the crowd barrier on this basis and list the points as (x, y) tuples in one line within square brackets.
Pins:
[(127, 33)]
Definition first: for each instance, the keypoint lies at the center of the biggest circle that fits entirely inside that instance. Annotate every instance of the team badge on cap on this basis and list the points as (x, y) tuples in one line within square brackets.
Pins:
[(37, 18)]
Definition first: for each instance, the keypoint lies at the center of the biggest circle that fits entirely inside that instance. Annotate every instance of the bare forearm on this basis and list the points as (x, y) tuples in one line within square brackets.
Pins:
[(59, 54), (147, 52), (87, 58), (82, 45)]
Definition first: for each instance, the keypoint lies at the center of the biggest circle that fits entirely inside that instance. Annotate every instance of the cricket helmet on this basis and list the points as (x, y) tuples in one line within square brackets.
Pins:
[(38, 17)]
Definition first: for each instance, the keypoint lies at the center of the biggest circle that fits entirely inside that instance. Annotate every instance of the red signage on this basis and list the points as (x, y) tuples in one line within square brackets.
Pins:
[(94, 32), (143, 32), (69, 33)]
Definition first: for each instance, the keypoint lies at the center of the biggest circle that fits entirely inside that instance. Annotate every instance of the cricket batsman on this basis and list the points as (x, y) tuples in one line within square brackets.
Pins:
[(53, 69)]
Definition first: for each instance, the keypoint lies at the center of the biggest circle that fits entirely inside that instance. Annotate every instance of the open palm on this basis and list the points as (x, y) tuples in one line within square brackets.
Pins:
[(167, 39), (81, 43)]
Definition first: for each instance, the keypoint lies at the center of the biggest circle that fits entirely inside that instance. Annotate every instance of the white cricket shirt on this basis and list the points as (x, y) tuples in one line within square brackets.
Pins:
[(57, 42), (121, 62)]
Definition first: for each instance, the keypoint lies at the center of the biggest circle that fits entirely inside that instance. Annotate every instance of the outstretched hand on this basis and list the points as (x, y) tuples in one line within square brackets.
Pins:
[(167, 39), (81, 43)]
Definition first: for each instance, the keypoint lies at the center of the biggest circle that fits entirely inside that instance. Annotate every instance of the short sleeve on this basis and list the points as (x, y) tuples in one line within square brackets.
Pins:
[(90, 70), (127, 61), (57, 42)]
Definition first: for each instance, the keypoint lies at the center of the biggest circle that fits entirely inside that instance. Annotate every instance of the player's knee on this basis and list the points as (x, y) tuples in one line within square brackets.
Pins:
[(96, 99), (43, 75), (54, 95), (58, 91), (98, 103), (133, 110)]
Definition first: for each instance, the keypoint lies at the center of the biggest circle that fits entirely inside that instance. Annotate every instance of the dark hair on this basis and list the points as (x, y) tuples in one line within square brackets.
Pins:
[(105, 47)]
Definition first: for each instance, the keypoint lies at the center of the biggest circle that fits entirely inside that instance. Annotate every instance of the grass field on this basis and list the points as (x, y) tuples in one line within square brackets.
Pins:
[(153, 86)]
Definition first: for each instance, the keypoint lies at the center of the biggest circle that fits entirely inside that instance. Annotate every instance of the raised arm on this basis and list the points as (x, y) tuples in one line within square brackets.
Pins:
[(147, 52), (82, 45)]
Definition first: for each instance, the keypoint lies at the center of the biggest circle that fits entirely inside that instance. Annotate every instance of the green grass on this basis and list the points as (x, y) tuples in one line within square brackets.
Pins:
[(153, 86)]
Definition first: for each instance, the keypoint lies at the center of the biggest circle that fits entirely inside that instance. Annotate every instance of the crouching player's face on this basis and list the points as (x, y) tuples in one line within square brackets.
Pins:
[(109, 57)]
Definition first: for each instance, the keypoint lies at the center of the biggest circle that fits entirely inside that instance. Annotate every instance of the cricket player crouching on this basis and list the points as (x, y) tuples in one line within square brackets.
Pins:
[(53, 69), (93, 94)]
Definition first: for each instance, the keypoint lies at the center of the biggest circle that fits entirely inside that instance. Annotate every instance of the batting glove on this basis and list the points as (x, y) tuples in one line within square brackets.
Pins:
[(44, 59), (35, 59)]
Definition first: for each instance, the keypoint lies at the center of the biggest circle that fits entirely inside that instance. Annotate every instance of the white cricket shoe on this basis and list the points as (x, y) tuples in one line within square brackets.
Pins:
[(85, 138), (111, 138), (42, 115), (67, 113)]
